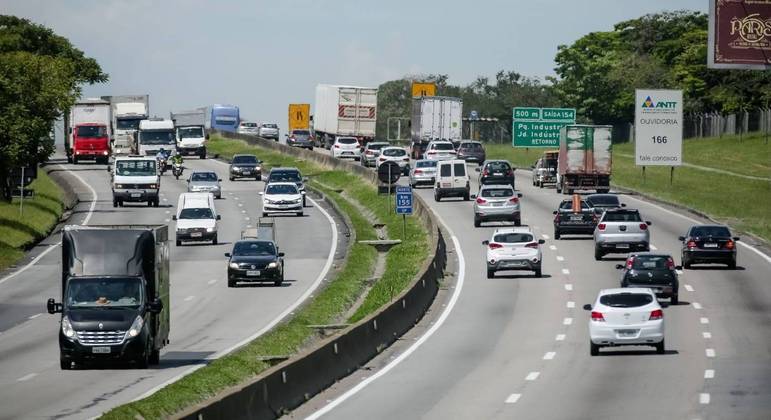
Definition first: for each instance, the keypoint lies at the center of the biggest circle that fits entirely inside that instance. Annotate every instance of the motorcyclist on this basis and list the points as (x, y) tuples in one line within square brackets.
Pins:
[(176, 158), (162, 154)]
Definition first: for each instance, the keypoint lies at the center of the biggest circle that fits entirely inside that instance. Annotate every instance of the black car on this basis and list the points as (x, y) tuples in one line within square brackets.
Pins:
[(601, 202), (567, 221), (288, 175), (709, 244), (653, 271), (255, 260), (245, 166), (471, 151), (300, 138), (497, 172)]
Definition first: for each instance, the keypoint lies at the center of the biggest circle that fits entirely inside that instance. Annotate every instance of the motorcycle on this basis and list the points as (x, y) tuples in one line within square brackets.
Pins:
[(176, 169), (162, 165)]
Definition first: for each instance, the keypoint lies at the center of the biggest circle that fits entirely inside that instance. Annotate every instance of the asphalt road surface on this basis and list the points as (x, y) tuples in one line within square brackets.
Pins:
[(516, 346), (207, 318)]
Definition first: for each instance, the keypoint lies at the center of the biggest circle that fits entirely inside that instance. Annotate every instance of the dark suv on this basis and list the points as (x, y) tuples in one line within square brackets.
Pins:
[(288, 175), (245, 166), (471, 151), (496, 172), (709, 244), (255, 260)]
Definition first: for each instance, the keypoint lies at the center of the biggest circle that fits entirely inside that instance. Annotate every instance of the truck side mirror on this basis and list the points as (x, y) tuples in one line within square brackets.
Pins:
[(207, 136), (219, 217), (156, 306), (53, 307), (227, 254), (174, 217), (280, 254)]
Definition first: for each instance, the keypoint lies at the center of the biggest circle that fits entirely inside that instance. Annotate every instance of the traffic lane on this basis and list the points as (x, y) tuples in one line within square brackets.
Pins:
[(191, 340)]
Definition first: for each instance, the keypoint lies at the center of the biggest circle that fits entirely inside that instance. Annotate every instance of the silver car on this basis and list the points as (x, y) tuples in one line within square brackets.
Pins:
[(268, 131), (497, 202), (424, 172), (621, 231), (371, 152), (205, 181)]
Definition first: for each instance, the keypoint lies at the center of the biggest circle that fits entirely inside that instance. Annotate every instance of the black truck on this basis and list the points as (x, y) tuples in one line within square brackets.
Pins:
[(570, 220), (115, 294)]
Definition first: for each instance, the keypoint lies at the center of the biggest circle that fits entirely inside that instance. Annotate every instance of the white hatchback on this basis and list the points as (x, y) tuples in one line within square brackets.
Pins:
[(346, 147), (514, 249), (626, 317), (440, 150), (397, 155)]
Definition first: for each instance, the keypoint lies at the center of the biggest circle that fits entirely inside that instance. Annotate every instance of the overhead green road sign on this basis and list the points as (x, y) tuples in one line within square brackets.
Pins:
[(539, 127)]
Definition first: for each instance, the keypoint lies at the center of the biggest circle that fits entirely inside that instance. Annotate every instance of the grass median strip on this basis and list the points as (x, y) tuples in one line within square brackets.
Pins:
[(18, 231), (329, 305)]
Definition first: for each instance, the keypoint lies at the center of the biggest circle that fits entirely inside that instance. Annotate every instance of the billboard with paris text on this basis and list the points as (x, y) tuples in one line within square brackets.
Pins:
[(739, 34)]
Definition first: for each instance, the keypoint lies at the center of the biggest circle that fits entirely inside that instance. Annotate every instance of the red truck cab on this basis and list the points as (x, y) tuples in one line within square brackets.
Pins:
[(90, 141)]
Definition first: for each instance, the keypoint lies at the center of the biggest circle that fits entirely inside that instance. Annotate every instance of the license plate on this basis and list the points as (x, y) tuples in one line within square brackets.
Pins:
[(246, 172), (253, 273), (136, 195), (196, 235), (710, 245), (626, 333), (513, 263), (497, 204), (576, 218), (622, 246), (100, 350), (446, 185)]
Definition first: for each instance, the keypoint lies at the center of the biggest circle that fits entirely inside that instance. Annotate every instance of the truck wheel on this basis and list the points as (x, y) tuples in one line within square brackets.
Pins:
[(558, 188), (74, 160), (149, 203), (156, 203), (69, 158), (540, 184), (466, 196), (231, 178), (155, 357), (65, 364), (258, 178), (120, 203)]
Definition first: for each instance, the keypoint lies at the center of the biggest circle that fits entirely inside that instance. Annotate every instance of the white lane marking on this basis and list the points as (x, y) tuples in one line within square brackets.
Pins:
[(442, 318), (696, 305), (91, 208), (289, 309), (565, 271), (567, 321), (513, 398), (710, 352), (560, 258), (236, 198), (652, 247), (560, 337), (243, 211), (706, 334), (168, 212), (704, 398), (553, 247), (27, 377), (570, 304), (709, 373), (189, 298), (35, 316), (167, 220), (165, 199), (240, 205), (549, 355), (212, 281), (744, 244), (688, 287), (704, 320), (532, 376), (545, 236), (568, 287)]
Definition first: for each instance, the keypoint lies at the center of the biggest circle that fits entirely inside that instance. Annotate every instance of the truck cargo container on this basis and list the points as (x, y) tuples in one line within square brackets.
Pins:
[(87, 131), (127, 112), (585, 159), (225, 118), (191, 132), (435, 118), (115, 294), (344, 111)]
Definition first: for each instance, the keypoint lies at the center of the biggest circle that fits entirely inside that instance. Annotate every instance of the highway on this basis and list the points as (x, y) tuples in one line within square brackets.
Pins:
[(207, 318), (516, 346)]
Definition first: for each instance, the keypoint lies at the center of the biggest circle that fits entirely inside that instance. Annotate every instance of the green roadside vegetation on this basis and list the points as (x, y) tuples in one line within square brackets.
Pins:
[(330, 303), (742, 203), (19, 231)]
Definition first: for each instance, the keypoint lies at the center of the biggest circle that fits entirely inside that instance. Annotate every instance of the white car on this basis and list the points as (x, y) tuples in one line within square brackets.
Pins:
[(513, 248), (268, 131), (282, 197), (626, 317), (440, 150), (246, 127), (346, 147), (397, 155), (197, 218)]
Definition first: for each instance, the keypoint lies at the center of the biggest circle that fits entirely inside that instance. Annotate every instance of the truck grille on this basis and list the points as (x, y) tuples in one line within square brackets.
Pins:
[(101, 338)]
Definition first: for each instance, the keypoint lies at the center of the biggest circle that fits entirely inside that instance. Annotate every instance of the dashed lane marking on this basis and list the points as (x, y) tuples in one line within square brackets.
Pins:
[(532, 376), (27, 377), (704, 398), (709, 374), (568, 287), (560, 337), (560, 258), (553, 247), (549, 355), (35, 316), (704, 320), (696, 305), (652, 247), (565, 271), (706, 334), (513, 398), (189, 298), (688, 287), (567, 321), (570, 304), (545, 236), (709, 352), (212, 281)]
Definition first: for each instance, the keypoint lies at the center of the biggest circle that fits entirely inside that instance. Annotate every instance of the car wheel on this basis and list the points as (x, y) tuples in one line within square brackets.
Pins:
[(299, 214), (231, 283), (437, 197), (594, 349), (155, 357), (214, 240), (477, 221), (120, 203), (278, 282), (538, 272), (490, 274), (143, 360), (149, 203), (556, 234), (597, 253), (115, 203), (65, 364), (231, 178), (660, 349), (517, 222), (540, 184), (264, 214), (732, 264), (558, 189), (156, 203), (303, 201), (675, 300), (179, 243), (686, 263)]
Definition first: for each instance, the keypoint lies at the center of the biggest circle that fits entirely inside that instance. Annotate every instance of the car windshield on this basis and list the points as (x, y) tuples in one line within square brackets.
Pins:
[(269, 126), (190, 132), (196, 213), (627, 216), (92, 131), (347, 140), (701, 231), (497, 192), (244, 159), (603, 200), (254, 248), (650, 262), (394, 152), (442, 146), (513, 237), (284, 176), (204, 176), (135, 167), (626, 300), (282, 189), (425, 164), (156, 137), (127, 124), (89, 292), (568, 205), (498, 166)]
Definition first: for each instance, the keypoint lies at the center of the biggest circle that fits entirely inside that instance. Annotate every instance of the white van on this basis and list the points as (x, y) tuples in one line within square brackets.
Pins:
[(452, 180), (196, 218)]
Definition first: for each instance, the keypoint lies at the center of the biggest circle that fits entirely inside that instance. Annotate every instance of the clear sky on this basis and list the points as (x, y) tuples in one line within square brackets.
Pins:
[(264, 55)]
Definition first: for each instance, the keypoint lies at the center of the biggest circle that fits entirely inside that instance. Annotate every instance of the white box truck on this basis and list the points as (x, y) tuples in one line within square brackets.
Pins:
[(127, 112), (344, 111), (435, 118), (154, 135), (191, 131)]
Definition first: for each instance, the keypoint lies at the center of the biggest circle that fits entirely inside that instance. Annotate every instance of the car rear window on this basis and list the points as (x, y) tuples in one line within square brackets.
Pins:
[(244, 159), (445, 170), (460, 169), (300, 132), (470, 146), (394, 152), (425, 164), (498, 166), (347, 140), (511, 238), (269, 126), (376, 146), (568, 205), (603, 200), (251, 125), (621, 217), (443, 146), (497, 192), (703, 231), (626, 300), (650, 262)]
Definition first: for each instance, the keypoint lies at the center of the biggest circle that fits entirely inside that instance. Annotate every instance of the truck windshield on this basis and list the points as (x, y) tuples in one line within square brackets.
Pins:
[(196, 213), (92, 131), (92, 292), (127, 123), (190, 132), (135, 167), (156, 137)]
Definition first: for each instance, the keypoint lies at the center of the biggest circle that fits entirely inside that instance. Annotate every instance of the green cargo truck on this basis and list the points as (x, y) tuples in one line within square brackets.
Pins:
[(585, 159)]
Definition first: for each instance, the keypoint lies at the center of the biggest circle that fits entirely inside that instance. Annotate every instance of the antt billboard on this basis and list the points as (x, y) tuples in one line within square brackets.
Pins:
[(739, 34)]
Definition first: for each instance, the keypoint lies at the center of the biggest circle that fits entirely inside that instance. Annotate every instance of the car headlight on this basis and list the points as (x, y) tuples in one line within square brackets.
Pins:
[(233, 265), (267, 201), (153, 186), (297, 200), (210, 229), (235, 168), (119, 186), (136, 327), (273, 265), (258, 168), (67, 329)]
